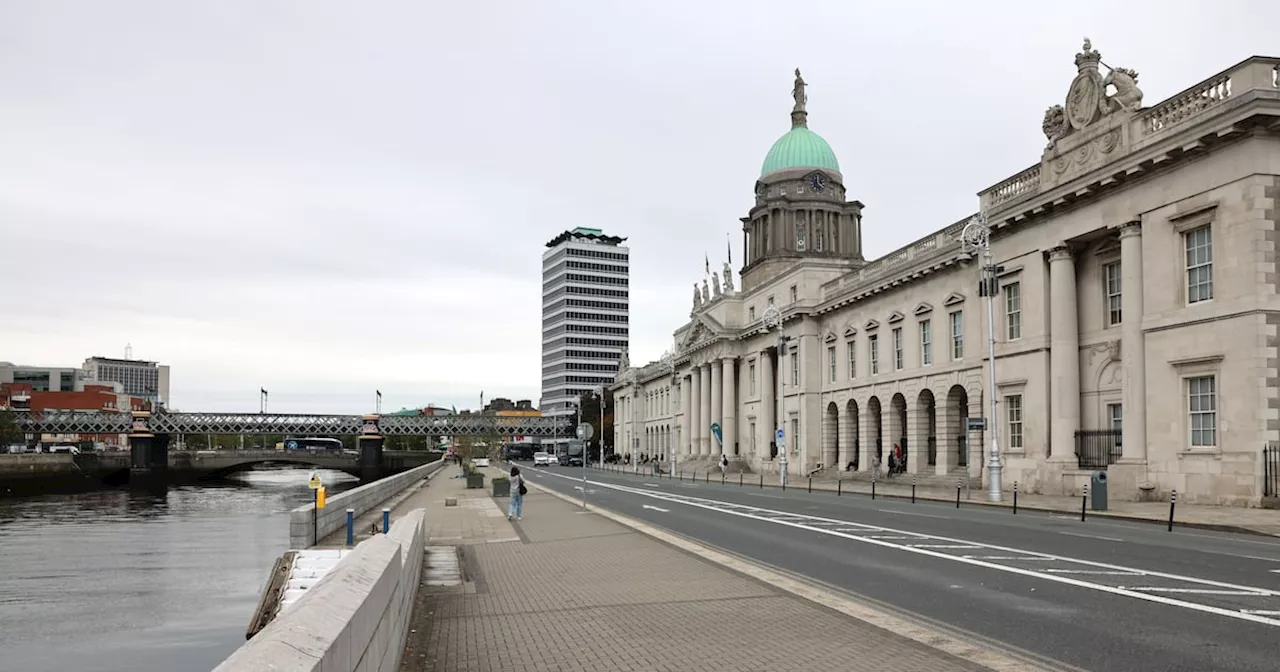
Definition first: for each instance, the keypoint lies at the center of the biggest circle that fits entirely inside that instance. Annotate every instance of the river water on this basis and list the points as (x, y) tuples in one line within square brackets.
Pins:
[(119, 580)]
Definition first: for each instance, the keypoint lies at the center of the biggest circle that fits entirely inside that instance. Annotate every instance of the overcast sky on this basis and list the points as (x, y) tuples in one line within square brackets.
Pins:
[(327, 198)]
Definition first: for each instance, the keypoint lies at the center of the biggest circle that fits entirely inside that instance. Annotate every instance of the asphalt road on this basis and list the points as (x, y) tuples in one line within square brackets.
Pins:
[(1097, 595)]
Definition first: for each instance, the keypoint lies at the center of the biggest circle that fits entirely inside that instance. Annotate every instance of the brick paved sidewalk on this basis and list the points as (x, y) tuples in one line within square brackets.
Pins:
[(572, 590)]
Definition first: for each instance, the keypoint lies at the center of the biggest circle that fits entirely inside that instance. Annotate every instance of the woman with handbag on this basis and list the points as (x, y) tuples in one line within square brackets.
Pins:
[(518, 491)]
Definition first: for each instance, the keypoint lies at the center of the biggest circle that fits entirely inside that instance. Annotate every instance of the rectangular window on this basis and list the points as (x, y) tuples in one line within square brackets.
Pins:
[(795, 367), (752, 434), (1111, 281), (751, 314), (831, 362), (795, 435), (1013, 310), (897, 349), (873, 344), (1115, 422), (771, 300), (853, 358), (751, 371), (1199, 244), (794, 294), (1013, 414), (1202, 407), (926, 343), (957, 335)]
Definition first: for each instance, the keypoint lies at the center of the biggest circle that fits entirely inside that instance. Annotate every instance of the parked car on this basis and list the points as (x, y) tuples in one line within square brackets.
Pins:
[(543, 459), (480, 462)]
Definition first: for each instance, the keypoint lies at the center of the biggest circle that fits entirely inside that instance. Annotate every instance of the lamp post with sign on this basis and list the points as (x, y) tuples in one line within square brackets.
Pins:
[(772, 319), (317, 501), (977, 236)]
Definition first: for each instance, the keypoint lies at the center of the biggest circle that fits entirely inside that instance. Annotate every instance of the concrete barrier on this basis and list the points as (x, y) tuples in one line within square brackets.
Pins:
[(363, 499), (355, 619)]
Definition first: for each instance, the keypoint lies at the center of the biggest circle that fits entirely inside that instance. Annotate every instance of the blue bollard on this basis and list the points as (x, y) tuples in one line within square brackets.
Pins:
[(386, 521), (351, 527)]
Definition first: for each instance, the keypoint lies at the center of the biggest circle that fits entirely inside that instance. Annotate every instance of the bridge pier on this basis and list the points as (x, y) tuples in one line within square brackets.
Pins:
[(148, 458), (370, 445)]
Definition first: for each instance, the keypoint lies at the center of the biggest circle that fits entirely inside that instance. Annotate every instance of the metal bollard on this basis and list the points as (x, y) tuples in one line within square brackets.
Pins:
[(707, 478), (1173, 499), (811, 485), (762, 480), (957, 493), (1084, 503), (873, 486), (1015, 498), (839, 486), (386, 521), (739, 479), (351, 527), (913, 489)]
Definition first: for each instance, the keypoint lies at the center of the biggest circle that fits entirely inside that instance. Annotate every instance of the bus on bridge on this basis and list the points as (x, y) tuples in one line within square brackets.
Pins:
[(310, 445)]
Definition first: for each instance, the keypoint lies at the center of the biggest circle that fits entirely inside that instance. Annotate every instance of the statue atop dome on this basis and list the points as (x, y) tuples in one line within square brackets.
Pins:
[(799, 115)]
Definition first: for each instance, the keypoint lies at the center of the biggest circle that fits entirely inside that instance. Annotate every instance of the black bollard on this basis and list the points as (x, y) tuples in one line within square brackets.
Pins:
[(1015, 498), (810, 485), (1084, 503), (913, 489), (739, 479), (839, 485), (957, 493), (1173, 499), (707, 478), (722, 474), (762, 480), (873, 486)]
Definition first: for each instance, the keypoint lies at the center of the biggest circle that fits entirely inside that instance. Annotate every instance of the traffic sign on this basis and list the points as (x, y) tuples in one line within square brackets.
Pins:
[(976, 424), (586, 431), (314, 483), (715, 431), (291, 445), (781, 436)]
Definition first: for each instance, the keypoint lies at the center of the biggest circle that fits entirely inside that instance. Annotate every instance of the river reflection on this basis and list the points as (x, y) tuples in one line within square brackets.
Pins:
[(120, 580)]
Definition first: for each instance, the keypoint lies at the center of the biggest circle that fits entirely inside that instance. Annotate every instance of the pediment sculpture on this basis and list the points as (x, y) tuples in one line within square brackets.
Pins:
[(1087, 100), (728, 278), (706, 293), (697, 297), (715, 285)]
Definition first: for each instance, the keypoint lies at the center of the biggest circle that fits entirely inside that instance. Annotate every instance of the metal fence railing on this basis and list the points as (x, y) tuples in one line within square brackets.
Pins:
[(1097, 448), (1271, 470)]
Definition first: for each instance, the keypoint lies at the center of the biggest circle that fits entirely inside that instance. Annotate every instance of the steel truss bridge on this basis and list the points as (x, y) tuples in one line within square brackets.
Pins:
[(96, 422)]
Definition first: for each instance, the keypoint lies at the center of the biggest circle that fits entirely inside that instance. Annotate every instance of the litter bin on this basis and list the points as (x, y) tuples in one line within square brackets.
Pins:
[(1098, 490)]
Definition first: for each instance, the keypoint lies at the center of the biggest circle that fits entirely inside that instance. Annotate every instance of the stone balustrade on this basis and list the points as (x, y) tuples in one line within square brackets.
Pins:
[(303, 531)]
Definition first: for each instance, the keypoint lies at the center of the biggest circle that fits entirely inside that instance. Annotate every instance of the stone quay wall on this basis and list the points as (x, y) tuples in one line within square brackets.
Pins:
[(363, 499), (355, 619)]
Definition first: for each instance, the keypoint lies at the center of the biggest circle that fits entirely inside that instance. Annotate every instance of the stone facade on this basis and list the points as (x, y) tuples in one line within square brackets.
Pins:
[(1137, 320)]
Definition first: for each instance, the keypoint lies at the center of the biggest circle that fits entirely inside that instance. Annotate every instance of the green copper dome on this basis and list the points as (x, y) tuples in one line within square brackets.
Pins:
[(800, 148)]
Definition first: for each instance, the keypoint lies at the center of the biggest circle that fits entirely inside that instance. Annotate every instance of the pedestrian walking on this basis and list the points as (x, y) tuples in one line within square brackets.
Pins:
[(518, 491), (724, 464)]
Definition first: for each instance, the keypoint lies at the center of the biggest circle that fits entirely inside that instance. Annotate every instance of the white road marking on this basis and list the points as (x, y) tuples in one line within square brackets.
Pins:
[(910, 513), (1091, 536), (771, 516), (1261, 612), (965, 546), (653, 485), (1197, 591), (1019, 558), (657, 508), (1093, 571)]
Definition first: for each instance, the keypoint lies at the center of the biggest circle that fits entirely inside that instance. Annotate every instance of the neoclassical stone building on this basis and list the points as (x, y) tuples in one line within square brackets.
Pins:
[(1137, 317)]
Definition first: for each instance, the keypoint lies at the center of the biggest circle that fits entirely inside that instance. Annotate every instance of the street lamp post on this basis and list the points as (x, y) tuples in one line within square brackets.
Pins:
[(600, 393), (772, 319), (977, 235), (669, 361)]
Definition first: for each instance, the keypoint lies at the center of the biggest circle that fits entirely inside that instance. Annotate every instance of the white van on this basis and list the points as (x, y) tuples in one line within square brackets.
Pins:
[(69, 449)]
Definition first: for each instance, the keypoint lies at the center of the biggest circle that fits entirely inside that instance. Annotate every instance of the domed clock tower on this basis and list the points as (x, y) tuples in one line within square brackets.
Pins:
[(800, 212)]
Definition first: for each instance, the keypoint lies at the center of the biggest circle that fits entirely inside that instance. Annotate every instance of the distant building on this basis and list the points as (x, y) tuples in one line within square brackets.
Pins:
[(148, 380), (585, 314), (43, 378), (105, 397)]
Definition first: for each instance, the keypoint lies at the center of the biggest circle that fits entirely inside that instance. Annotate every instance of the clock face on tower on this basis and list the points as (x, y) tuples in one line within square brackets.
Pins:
[(817, 182)]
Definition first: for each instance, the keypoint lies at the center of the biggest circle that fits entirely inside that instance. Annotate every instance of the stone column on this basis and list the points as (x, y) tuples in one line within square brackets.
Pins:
[(704, 438), (1133, 345), (870, 421), (695, 410), (1064, 348), (917, 437), (947, 428), (768, 405), (686, 393), (717, 405), (729, 409)]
